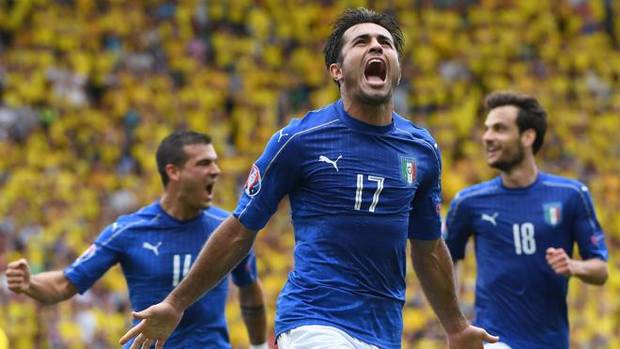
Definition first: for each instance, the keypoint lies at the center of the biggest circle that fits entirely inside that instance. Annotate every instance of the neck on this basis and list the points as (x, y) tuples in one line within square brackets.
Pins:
[(373, 114), (521, 175), (172, 203)]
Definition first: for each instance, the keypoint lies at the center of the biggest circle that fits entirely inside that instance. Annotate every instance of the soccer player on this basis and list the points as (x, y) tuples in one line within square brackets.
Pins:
[(525, 223), (156, 247), (361, 181)]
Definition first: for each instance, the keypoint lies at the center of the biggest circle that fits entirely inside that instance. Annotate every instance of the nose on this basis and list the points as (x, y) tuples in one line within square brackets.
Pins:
[(487, 136), (215, 170), (375, 46)]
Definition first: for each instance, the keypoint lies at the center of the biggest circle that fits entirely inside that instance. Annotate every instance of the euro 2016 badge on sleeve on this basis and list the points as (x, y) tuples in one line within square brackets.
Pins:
[(252, 185), (553, 213), (408, 170)]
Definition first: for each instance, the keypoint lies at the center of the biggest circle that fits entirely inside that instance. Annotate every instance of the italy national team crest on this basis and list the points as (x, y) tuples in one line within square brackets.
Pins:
[(553, 213), (408, 170), (252, 185)]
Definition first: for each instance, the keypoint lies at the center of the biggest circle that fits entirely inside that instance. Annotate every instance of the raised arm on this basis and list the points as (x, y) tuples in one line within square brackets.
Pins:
[(433, 265), (253, 313), (226, 247), (48, 287)]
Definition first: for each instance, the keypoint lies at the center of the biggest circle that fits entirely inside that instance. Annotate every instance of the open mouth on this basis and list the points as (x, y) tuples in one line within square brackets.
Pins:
[(375, 71), (209, 188)]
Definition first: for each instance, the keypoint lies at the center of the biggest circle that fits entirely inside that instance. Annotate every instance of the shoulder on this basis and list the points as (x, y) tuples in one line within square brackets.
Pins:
[(313, 121), (574, 189), (417, 133), (570, 184), (217, 213), (129, 222), (476, 191)]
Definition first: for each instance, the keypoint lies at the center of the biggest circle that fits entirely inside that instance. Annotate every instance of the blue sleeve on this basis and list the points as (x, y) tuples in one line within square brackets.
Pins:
[(457, 230), (425, 217), (95, 261), (245, 272), (272, 177), (586, 228)]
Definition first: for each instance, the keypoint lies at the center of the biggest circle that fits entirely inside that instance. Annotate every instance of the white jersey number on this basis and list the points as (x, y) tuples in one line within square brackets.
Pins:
[(176, 267), (524, 238), (360, 189)]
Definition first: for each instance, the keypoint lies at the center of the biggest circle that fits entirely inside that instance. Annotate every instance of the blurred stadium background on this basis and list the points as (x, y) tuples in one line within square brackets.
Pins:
[(89, 88)]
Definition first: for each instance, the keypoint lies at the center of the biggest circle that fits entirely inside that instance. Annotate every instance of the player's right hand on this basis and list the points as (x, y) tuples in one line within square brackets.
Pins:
[(471, 337), (158, 322), (18, 276)]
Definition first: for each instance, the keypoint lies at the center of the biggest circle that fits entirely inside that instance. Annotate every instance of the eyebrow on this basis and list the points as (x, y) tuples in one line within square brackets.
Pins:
[(367, 36)]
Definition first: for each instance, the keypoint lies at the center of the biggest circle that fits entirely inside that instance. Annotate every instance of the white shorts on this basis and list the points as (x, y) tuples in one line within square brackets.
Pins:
[(319, 337), (498, 345)]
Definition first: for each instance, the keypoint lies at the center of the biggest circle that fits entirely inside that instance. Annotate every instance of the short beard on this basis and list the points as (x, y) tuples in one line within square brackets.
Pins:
[(375, 100), (509, 164)]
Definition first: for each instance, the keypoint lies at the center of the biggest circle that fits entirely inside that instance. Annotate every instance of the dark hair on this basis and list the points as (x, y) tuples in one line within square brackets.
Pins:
[(531, 114), (170, 150), (351, 17)]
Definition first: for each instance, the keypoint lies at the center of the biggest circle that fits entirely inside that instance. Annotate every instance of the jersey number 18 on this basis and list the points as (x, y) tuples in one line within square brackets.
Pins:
[(524, 238)]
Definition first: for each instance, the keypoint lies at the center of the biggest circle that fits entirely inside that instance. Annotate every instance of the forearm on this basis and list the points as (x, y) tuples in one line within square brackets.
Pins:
[(221, 253), (433, 265), (253, 312), (591, 271), (50, 287)]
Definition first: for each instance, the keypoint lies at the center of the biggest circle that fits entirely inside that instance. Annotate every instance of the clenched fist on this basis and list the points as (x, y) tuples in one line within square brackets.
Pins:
[(18, 276)]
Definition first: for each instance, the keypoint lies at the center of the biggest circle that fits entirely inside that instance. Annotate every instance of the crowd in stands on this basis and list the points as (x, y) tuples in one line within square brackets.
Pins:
[(89, 88)]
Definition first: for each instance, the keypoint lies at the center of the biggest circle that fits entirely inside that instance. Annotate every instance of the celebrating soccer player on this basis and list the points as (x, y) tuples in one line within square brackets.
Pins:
[(156, 247), (361, 181), (525, 223)]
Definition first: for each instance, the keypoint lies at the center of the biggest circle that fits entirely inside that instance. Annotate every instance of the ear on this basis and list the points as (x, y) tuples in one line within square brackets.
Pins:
[(528, 137), (173, 172), (335, 71)]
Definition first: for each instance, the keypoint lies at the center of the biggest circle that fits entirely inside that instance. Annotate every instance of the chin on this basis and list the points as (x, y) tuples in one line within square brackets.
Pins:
[(376, 98)]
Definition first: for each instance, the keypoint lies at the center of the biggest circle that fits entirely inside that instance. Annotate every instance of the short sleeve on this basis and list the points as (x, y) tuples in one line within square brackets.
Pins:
[(245, 272), (425, 217), (96, 260), (271, 177), (586, 228), (457, 230)]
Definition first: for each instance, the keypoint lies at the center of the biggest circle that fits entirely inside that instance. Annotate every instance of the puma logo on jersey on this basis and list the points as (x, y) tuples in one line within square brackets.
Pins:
[(490, 219), (282, 134), (324, 158), (155, 248)]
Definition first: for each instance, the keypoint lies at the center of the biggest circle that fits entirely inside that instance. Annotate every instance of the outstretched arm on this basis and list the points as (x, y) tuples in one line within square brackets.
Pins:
[(226, 247), (253, 313), (48, 287), (591, 271), (433, 265)]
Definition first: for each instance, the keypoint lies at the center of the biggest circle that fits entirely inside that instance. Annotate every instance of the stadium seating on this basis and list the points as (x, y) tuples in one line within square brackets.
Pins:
[(89, 88)]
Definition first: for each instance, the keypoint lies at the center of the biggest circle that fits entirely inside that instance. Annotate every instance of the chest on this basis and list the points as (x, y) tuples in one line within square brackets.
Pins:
[(365, 172), (163, 256), (523, 225)]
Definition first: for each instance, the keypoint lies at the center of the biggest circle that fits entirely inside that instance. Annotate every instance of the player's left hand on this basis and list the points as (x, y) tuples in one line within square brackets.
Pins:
[(559, 261), (471, 337)]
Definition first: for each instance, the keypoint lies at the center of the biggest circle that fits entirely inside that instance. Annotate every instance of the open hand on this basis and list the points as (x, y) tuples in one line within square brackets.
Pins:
[(158, 322), (471, 337)]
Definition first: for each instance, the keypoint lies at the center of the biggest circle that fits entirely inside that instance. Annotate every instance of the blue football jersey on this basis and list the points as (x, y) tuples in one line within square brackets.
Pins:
[(357, 192), (518, 295), (155, 252)]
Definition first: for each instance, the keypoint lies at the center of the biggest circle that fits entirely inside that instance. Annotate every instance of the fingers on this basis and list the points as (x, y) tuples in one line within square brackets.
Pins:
[(489, 338), (159, 344), (134, 331), (147, 343), (141, 315)]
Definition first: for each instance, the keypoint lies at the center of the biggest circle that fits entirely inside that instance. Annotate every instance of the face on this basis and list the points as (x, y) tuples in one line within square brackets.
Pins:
[(370, 69), (198, 175), (503, 143)]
